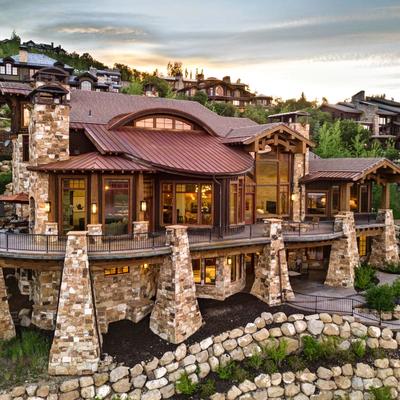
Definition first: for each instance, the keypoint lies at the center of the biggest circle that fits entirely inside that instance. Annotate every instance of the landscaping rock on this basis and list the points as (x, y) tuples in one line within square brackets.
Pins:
[(288, 329), (88, 392), (100, 378), (250, 328), (235, 333), (364, 371), (308, 388), (279, 317), (233, 393), (152, 395), (180, 352), (291, 390), (68, 386), (119, 373), (267, 317), (247, 386), (331, 330), (315, 327), (263, 381), (245, 340), (156, 383), (167, 358), (300, 326), (261, 335), (358, 329), (275, 332), (103, 391), (206, 343), (275, 391), (374, 331), (324, 373)]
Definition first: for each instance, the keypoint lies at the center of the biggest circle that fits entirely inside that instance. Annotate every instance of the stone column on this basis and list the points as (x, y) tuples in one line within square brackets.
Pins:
[(271, 283), (176, 314), (7, 329), (76, 348), (344, 258), (384, 247), (298, 192)]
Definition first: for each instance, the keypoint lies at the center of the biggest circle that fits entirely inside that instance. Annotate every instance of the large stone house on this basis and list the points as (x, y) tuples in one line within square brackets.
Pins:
[(377, 114), (141, 205)]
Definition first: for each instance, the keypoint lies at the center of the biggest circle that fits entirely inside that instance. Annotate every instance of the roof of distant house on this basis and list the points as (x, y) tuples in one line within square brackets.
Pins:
[(343, 108), (36, 60)]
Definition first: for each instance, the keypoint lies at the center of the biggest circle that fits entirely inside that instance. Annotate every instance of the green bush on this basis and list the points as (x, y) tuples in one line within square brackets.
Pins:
[(396, 288), (255, 361), (393, 268), (276, 353), (358, 348), (5, 179), (324, 349), (226, 371), (381, 298), (207, 388), (269, 367), (382, 393), (185, 385), (365, 277), (240, 374), (296, 363)]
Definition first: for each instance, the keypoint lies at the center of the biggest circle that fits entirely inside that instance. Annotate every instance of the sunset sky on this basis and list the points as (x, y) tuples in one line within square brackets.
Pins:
[(281, 48)]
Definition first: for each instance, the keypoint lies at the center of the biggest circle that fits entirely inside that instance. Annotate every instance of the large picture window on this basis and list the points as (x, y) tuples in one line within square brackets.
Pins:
[(116, 206), (73, 205), (273, 183), (204, 271), (187, 203), (316, 203), (236, 202)]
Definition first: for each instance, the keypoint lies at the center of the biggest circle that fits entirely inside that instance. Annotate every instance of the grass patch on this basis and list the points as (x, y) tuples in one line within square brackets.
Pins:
[(382, 393), (24, 357)]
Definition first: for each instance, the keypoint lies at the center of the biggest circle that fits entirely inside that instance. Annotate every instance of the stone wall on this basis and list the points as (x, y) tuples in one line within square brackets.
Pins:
[(7, 329), (155, 379), (39, 191), (384, 247), (176, 314), (271, 282), (126, 296), (75, 349), (344, 258), (45, 288), (298, 191)]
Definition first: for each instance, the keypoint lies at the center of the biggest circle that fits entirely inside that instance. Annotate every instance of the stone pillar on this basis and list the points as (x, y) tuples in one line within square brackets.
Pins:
[(76, 345), (7, 329), (298, 191), (271, 283), (140, 227), (384, 247), (45, 290), (176, 314), (344, 258)]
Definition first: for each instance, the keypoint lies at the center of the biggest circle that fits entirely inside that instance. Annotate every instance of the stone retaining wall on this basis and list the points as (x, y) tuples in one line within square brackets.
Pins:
[(155, 379)]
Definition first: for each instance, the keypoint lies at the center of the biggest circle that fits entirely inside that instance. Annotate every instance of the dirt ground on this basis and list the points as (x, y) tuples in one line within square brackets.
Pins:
[(131, 343)]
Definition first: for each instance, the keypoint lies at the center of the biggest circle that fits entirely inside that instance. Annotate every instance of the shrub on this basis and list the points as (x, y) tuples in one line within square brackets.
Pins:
[(277, 353), (311, 348), (296, 363), (365, 277), (358, 348), (393, 268), (185, 385), (396, 288), (226, 371), (255, 361), (240, 374), (382, 393), (207, 388), (269, 367), (5, 179), (381, 298)]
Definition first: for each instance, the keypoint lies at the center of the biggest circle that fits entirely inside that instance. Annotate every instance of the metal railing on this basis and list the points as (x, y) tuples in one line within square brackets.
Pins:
[(32, 243), (365, 218), (304, 228)]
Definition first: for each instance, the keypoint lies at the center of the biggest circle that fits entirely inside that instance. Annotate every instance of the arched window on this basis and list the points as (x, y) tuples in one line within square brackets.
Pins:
[(165, 123), (86, 85)]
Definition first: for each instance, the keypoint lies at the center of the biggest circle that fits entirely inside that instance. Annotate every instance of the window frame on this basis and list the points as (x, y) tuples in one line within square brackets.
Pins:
[(187, 125), (315, 191), (240, 193), (202, 261)]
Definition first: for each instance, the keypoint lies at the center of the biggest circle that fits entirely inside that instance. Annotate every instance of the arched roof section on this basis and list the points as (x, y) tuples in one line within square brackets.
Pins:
[(124, 119)]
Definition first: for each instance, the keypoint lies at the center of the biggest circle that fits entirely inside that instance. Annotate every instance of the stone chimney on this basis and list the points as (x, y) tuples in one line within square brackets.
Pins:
[(360, 96), (23, 54)]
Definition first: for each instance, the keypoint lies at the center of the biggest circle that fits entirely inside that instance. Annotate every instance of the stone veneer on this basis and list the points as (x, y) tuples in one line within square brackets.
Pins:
[(176, 314), (271, 283), (344, 258), (298, 191), (7, 329), (45, 288), (75, 349), (126, 296), (384, 247), (155, 379)]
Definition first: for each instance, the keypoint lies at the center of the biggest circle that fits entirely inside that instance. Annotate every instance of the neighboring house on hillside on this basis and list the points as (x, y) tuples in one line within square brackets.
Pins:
[(141, 205), (380, 116), (99, 80), (30, 44), (236, 93)]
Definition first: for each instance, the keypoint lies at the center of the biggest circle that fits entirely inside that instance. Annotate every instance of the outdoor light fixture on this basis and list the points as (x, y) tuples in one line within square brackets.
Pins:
[(145, 266), (94, 208), (229, 260), (293, 197), (143, 206), (47, 206)]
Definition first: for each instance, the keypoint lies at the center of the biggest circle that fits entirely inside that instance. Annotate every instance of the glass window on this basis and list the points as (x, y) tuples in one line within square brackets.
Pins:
[(284, 164), (2, 69), (167, 203), (266, 200), (25, 148), (116, 206), (210, 271), (364, 198), (116, 271), (86, 85), (362, 246), (73, 205), (316, 203), (186, 203), (148, 189), (284, 200), (8, 69), (354, 198), (335, 199), (15, 71), (233, 205), (206, 204), (26, 115), (145, 123), (196, 265), (267, 173), (182, 126), (164, 123), (235, 263)]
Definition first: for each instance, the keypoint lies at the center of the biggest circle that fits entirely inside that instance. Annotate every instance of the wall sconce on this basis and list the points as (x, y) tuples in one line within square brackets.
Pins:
[(293, 197), (145, 266), (47, 206), (229, 260), (143, 206), (94, 208)]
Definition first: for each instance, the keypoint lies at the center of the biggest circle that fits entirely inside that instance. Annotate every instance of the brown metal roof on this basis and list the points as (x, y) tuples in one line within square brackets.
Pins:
[(92, 162), (18, 88), (100, 107), (346, 169), (191, 152), (20, 198), (343, 108)]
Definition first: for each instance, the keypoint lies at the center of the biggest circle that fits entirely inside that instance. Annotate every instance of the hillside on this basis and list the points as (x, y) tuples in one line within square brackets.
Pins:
[(9, 47)]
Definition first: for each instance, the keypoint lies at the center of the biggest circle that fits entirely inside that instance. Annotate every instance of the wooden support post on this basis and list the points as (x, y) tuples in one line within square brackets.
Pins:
[(94, 198), (139, 186), (385, 200), (345, 196)]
